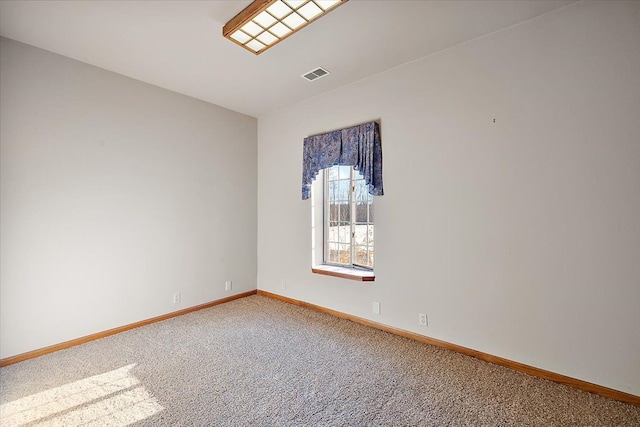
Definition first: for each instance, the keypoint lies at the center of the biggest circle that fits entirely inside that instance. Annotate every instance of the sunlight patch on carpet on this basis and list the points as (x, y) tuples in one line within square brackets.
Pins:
[(115, 398)]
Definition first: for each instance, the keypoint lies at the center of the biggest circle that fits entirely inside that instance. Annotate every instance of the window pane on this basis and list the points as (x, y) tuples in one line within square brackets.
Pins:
[(333, 213), (357, 174), (361, 192), (332, 232), (345, 172), (345, 211), (371, 213), (333, 210), (333, 172), (345, 254), (333, 254), (344, 233), (370, 235), (361, 212), (343, 190), (333, 190), (360, 234), (362, 255)]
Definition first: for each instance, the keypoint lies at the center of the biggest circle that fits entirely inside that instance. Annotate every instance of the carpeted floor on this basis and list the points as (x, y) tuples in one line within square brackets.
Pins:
[(261, 362)]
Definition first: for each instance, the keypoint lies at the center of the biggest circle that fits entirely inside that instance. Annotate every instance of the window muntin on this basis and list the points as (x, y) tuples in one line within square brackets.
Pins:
[(348, 214)]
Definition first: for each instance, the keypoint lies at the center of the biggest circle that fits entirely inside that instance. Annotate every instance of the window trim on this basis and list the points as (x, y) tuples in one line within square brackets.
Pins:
[(357, 274)]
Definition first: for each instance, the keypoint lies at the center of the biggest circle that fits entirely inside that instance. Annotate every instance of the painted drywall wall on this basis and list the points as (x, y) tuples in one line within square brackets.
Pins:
[(115, 195), (519, 237)]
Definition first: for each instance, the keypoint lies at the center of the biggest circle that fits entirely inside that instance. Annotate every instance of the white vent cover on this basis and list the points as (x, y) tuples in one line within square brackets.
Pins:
[(315, 74)]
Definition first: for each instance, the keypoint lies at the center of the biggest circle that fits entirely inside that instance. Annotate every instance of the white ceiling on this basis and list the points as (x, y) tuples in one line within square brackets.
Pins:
[(178, 45)]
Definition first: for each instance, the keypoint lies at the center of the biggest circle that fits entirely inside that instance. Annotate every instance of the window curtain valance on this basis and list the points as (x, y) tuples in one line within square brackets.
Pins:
[(358, 146)]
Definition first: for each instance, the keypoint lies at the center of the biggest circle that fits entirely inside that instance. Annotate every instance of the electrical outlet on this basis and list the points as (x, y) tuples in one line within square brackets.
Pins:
[(376, 307), (228, 285), (176, 298), (283, 284), (422, 319)]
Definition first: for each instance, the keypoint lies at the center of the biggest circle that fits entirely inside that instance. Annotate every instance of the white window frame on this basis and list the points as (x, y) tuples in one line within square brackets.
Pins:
[(351, 237), (318, 239)]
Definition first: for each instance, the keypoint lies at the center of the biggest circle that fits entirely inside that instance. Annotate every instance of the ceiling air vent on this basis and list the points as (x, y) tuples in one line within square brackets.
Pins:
[(315, 74)]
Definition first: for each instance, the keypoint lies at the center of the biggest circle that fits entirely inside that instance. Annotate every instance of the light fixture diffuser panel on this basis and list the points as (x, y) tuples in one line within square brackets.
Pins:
[(252, 28), (310, 11), (280, 29), (255, 45), (294, 21), (267, 38), (327, 4), (265, 19), (279, 10), (295, 3), (241, 37), (265, 23)]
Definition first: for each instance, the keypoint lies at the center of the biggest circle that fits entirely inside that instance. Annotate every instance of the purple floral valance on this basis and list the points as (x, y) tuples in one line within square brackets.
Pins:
[(358, 146)]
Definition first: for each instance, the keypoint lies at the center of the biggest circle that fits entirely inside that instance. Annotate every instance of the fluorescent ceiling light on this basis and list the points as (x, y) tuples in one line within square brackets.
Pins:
[(295, 3), (310, 10), (265, 23), (294, 21)]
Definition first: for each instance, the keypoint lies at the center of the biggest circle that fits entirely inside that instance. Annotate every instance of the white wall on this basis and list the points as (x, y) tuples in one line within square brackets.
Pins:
[(114, 195), (519, 238)]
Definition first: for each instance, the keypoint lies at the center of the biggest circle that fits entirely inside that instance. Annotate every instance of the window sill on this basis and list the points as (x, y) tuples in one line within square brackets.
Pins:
[(345, 273)]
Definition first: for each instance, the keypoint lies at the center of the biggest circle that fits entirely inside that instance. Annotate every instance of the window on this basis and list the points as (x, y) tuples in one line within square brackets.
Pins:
[(348, 219), (342, 231)]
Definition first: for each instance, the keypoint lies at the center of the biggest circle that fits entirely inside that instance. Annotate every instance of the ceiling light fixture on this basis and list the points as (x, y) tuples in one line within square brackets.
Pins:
[(265, 23)]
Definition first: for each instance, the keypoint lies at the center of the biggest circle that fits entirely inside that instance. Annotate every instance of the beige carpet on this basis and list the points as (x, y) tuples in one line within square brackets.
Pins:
[(260, 362)]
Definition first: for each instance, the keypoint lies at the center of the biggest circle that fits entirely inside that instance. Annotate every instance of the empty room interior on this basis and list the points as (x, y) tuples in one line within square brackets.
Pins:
[(304, 213)]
